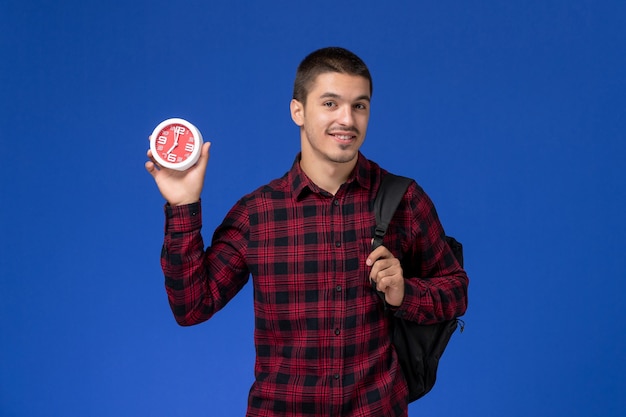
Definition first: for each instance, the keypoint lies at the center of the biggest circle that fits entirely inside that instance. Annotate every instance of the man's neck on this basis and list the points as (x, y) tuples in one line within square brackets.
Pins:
[(329, 176)]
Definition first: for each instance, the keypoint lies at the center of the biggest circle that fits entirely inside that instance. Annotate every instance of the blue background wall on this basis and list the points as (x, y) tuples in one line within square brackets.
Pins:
[(510, 114)]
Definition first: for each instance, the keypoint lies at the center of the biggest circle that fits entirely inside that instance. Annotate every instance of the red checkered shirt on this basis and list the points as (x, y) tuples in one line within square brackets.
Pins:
[(321, 336)]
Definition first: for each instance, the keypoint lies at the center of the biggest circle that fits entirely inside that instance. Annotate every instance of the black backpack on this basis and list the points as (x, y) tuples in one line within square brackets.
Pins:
[(419, 347)]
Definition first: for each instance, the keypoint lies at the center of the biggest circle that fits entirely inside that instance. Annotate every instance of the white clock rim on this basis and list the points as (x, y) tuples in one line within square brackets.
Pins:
[(195, 154)]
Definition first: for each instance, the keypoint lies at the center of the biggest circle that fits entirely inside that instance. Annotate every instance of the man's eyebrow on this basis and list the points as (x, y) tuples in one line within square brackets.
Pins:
[(337, 96)]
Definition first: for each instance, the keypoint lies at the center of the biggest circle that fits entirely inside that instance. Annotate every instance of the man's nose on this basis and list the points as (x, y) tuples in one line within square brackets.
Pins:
[(345, 116)]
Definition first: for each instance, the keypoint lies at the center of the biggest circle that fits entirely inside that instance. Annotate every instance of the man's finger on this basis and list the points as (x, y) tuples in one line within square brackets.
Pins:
[(378, 253)]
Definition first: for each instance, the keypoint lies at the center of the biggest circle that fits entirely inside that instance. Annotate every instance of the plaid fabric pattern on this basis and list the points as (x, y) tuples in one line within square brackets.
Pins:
[(322, 341)]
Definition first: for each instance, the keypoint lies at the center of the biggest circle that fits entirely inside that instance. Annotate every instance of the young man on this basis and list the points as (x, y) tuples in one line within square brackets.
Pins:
[(321, 334)]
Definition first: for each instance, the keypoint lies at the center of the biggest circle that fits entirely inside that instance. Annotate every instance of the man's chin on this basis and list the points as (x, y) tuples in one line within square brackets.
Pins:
[(344, 157)]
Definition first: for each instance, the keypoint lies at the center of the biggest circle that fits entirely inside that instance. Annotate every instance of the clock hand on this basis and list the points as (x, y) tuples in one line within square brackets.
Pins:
[(176, 134)]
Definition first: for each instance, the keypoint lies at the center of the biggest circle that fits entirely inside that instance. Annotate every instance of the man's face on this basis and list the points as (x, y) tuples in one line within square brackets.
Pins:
[(334, 118)]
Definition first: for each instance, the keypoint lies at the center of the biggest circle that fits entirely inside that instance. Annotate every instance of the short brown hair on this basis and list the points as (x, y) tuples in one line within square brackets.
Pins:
[(330, 59)]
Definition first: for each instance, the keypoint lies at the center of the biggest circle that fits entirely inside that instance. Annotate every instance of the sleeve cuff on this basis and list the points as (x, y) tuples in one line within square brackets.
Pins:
[(181, 219), (409, 301)]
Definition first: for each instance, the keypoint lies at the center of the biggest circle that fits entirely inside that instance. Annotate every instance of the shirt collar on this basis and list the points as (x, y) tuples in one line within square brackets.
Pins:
[(301, 184)]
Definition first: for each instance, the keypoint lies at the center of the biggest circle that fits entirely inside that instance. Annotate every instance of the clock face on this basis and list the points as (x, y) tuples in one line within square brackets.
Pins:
[(176, 144)]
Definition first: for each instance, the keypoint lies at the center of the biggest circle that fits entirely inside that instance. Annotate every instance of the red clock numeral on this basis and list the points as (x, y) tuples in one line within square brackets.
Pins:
[(189, 147), (162, 140)]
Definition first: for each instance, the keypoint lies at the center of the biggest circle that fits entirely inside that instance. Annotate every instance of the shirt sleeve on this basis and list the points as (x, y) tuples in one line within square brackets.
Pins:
[(435, 283), (198, 281)]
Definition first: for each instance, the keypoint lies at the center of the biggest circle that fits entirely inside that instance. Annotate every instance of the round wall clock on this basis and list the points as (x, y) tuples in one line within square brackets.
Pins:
[(176, 144)]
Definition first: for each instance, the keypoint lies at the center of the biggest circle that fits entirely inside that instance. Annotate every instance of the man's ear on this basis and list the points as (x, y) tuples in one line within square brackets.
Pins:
[(297, 112)]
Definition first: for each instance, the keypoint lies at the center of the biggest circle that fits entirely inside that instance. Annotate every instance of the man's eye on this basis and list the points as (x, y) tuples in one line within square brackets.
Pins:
[(329, 104), (360, 106)]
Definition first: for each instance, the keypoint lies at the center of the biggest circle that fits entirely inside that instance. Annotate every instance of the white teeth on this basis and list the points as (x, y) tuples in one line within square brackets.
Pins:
[(343, 137)]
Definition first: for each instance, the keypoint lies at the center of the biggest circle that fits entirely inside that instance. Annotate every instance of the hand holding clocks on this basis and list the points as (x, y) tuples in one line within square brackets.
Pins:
[(178, 161), (176, 144)]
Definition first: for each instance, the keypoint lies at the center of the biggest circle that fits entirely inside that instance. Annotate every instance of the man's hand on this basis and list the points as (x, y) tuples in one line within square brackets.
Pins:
[(387, 273), (180, 187)]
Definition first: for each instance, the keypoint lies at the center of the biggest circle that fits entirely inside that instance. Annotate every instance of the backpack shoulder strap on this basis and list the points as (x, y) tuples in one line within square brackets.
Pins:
[(390, 193)]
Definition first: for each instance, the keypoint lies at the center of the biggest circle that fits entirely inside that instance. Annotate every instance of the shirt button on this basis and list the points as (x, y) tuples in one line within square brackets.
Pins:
[(337, 332), (336, 376), (338, 288), (338, 244), (336, 202)]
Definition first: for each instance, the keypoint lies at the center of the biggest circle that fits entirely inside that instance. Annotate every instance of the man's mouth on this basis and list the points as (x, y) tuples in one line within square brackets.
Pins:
[(343, 136)]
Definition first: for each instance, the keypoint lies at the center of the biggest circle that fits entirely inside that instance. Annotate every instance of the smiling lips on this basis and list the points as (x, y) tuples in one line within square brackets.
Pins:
[(343, 135)]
